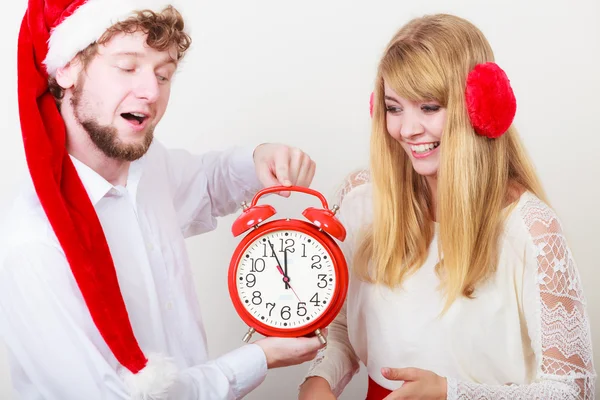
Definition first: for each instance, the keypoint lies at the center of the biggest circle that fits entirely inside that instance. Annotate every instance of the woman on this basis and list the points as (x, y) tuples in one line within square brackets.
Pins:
[(462, 284)]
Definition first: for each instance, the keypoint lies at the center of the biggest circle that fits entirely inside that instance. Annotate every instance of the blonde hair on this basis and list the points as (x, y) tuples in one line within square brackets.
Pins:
[(429, 59)]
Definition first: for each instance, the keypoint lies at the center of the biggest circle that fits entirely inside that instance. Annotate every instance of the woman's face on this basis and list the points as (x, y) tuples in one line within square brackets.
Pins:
[(418, 127)]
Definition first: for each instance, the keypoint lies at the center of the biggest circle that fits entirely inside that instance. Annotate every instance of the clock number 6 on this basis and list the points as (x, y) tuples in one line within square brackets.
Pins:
[(285, 313)]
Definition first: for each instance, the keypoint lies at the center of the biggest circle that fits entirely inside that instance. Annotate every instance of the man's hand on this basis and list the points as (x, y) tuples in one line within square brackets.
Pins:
[(418, 384), (283, 352), (278, 164)]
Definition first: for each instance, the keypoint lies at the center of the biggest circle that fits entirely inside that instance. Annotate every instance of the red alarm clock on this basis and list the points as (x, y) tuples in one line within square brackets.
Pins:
[(287, 277)]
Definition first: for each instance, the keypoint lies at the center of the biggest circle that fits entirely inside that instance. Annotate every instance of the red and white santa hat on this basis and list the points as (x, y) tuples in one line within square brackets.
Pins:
[(52, 33)]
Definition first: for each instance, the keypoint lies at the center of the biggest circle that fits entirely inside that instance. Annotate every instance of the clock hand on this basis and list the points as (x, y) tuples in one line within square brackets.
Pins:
[(281, 271), (287, 285), (285, 277), (287, 282)]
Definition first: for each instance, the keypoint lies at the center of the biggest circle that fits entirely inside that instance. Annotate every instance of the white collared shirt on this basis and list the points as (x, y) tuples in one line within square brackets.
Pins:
[(55, 350)]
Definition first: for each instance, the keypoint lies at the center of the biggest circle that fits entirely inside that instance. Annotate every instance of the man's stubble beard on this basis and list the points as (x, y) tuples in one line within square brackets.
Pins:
[(105, 137)]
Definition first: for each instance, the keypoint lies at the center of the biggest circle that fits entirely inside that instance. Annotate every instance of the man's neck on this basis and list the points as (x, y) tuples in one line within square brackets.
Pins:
[(81, 147)]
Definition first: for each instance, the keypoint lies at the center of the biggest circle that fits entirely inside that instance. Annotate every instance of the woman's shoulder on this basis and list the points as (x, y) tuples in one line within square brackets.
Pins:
[(535, 222), (355, 185), (354, 197), (530, 210)]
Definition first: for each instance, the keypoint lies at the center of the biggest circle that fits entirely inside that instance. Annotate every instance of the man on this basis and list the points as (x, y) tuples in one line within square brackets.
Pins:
[(96, 294)]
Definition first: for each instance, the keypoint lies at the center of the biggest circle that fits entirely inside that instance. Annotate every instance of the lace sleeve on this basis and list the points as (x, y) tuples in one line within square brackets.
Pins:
[(352, 181), (556, 317), (338, 363)]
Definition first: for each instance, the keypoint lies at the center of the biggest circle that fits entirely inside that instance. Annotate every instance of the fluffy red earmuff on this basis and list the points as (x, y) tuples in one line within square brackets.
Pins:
[(491, 103)]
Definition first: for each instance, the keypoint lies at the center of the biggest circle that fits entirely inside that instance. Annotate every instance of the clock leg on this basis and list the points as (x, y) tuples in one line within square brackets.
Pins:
[(248, 335), (322, 338)]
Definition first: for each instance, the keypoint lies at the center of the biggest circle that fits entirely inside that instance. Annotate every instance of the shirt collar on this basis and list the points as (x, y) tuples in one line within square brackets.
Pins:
[(97, 187)]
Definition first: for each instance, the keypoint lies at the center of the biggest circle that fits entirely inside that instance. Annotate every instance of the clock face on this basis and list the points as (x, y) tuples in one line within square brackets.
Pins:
[(286, 279)]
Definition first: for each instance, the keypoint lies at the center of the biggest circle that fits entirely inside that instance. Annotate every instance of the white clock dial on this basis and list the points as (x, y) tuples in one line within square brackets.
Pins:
[(289, 287)]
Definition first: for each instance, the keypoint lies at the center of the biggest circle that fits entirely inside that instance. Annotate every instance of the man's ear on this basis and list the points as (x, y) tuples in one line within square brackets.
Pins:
[(67, 76)]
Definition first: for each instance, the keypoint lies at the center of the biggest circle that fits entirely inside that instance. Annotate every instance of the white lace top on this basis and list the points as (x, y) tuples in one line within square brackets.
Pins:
[(525, 335)]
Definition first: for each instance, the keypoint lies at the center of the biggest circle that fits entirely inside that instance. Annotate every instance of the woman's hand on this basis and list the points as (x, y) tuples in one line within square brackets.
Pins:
[(418, 384), (316, 388)]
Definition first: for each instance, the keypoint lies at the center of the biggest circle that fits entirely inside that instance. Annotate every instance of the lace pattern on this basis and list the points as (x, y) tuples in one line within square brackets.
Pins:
[(353, 180), (560, 331), (337, 385), (547, 390)]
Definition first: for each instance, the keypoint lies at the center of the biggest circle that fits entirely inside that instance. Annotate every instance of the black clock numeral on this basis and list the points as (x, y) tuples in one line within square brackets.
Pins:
[(316, 264), (289, 245), (304, 250), (315, 299), (250, 280), (265, 247), (258, 265), (272, 307), (322, 280), (301, 308), (285, 313), (256, 299)]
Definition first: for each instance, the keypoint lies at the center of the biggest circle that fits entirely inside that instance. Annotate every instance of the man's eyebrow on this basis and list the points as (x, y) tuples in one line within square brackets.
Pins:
[(128, 53), (140, 55)]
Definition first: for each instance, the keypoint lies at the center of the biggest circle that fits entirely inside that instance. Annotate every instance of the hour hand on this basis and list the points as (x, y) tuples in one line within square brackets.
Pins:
[(285, 271)]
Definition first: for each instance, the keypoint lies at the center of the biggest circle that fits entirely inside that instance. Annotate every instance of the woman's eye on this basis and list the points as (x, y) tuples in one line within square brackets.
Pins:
[(430, 108), (393, 109)]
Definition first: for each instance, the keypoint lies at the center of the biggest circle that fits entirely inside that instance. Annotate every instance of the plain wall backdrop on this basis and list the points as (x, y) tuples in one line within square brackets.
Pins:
[(301, 73)]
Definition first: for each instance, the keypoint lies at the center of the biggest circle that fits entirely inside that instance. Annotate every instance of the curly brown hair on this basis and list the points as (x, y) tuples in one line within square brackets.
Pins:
[(164, 29)]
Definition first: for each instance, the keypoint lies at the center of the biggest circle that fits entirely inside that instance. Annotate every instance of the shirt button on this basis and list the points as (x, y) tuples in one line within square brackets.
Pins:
[(150, 247), (169, 305)]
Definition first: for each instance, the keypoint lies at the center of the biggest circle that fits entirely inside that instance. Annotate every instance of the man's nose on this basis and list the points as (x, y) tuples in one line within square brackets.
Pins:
[(147, 87)]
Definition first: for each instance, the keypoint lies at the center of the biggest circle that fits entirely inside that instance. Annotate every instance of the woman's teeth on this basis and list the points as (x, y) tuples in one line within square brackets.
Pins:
[(424, 148)]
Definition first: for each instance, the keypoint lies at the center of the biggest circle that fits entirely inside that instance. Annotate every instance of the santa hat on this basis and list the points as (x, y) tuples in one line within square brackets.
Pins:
[(52, 33)]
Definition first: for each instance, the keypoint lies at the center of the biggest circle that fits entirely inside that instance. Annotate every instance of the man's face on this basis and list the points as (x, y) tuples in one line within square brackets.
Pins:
[(122, 95)]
